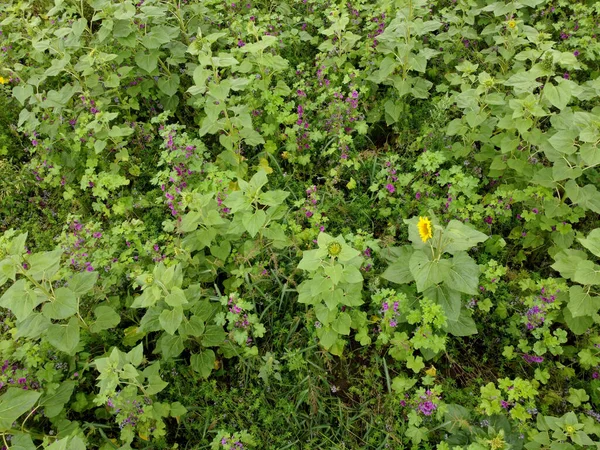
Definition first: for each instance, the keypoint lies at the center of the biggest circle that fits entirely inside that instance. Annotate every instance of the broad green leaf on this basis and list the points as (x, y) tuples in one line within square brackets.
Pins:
[(20, 299), (587, 273), (54, 402), (592, 242), (147, 61), (352, 274), (203, 362), (587, 197), (170, 319), (567, 261), (559, 95), (464, 326), (22, 93), (192, 327), (581, 303), (426, 272), (13, 404), (577, 325), (448, 299), (463, 275), (106, 318), (328, 337), (590, 154), (273, 198), (254, 222), (44, 265), (83, 282), (63, 306), (213, 336), (341, 325), (176, 297), (169, 85), (460, 237), (170, 346), (22, 441), (64, 337), (399, 271)]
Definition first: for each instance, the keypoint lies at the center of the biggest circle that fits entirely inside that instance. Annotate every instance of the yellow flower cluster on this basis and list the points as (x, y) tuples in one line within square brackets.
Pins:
[(3, 80)]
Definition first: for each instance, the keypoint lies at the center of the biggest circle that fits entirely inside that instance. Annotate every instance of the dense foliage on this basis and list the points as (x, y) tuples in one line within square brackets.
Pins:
[(300, 224)]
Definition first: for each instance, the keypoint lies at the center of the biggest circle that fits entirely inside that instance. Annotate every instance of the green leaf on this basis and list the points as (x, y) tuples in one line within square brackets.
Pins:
[(176, 297), (63, 306), (463, 275), (328, 337), (415, 363), (213, 336), (564, 141), (426, 272), (559, 95), (577, 325), (460, 237), (341, 325), (54, 402), (64, 337), (399, 271), (170, 85), (566, 262), (171, 346), (170, 319), (192, 327), (590, 154), (20, 299), (13, 404), (254, 222), (147, 61), (22, 93), (464, 326), (203, 362), (448, 299), (22, 442), (581, 303), (592, 242), (587, 273), (83, 282), (587, 197), (352, 274), (106, 318), (44, 265), (273, 198)]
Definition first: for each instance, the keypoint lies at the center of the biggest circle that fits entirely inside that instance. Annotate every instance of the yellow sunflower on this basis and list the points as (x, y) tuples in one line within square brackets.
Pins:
[(511, 24), (3, 80), (425, 228)]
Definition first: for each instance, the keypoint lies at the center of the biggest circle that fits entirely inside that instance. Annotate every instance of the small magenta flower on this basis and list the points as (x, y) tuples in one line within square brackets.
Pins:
[(566, 75), (535, 210), (240, 43), (576, 53), (418, 196), (390, 187)]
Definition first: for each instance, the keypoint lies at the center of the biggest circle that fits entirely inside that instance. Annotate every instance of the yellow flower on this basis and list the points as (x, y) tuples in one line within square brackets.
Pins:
[(334, 249), (3, 80), (512, 24), (425, 228), (431, 371)]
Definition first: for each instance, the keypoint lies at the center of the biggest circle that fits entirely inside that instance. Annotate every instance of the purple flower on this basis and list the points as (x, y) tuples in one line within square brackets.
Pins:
[(427, 407), (535, 210), (418, 196), (576, 53), (240, 43), (390, 187), (566, 75)]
